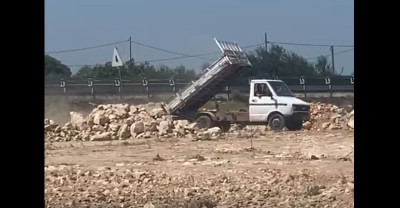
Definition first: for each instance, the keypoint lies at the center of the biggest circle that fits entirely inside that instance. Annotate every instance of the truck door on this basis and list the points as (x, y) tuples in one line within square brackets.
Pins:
[(260, 102)]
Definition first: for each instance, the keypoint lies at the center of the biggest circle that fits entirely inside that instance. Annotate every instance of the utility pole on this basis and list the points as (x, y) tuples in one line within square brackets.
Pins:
[(333, 60), (120, 84), (130, 63), (117, 62), (266, 50), (266, 42), (130, 49)]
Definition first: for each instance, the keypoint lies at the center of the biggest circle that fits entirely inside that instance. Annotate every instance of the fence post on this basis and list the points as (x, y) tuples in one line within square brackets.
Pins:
[(63, 86), (117, 83), (145, 83), (227, 92), (303, 83), (172, 84), (328, 82), (90, 85)]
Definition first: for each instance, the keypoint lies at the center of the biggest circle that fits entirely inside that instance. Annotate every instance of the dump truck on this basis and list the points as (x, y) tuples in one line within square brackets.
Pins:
[(270, 101)]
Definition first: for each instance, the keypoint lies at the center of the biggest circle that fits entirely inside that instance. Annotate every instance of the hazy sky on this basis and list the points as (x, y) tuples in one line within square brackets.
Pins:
[(189, 26)]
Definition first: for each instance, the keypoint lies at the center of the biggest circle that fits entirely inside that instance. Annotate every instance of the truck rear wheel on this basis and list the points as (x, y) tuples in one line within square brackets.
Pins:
[(294, 125), (204, 122), (276, 122)]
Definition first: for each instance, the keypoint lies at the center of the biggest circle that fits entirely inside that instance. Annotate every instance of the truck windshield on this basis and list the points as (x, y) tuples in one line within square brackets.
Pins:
[(281, 89)]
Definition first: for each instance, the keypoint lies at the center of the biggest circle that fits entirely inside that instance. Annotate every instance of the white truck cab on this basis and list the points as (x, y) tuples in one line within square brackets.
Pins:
[(272, 101)]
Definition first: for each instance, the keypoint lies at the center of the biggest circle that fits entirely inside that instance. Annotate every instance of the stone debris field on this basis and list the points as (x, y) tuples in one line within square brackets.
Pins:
[(122, 155)]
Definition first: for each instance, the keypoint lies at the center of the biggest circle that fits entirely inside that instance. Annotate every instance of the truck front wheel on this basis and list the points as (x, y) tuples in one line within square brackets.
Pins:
[(294, 125), (204, 122), (276, 122)]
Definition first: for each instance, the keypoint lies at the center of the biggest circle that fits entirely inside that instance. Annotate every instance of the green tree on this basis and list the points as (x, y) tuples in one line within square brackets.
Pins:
[(54, 69), (295, 65), (321, 67), (275, 62), (134, 72), (190, 75), (84, 73), (106, 71)]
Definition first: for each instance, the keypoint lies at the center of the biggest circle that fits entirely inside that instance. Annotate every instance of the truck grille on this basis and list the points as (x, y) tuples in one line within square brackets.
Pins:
[(301, 108)]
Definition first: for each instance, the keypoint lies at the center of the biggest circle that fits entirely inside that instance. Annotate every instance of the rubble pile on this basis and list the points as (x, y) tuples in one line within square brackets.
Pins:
[(325, 116), (123, 121), (75, 186)]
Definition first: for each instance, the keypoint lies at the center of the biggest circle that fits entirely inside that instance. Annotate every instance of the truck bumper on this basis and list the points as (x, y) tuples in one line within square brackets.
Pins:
[(299, 116)]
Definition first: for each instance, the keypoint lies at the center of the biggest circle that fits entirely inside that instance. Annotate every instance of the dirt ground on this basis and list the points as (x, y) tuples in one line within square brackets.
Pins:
[(283, 169)]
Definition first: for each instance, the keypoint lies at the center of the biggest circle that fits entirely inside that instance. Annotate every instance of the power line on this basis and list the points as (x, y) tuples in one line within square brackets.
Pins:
[(345, 51), (167, 59), (202, 54), (168, 51), (195, 55), (184, 55), (81, 49), (81, 65), (251, 46), (309, 44), (314, 57)]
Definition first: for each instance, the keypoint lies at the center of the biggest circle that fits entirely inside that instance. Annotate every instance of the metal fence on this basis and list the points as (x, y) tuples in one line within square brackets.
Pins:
[(161, 86)]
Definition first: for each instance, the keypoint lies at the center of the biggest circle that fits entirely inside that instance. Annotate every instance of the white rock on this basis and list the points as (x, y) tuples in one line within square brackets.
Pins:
[(351, 123), (112, 117), (48, 127), (214, 130), (121, 108), (164, 127), (76, 118), (133, 109), (150, 125), (124, 132), (114, 127), (333, 127), (101, 137), (137, 127), (182, 123), (85, 136), (326, 125), (307, 125), (149, 205), (129, 121), (191, 126), (157, 112), (100, 119)]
